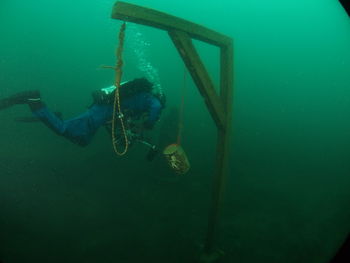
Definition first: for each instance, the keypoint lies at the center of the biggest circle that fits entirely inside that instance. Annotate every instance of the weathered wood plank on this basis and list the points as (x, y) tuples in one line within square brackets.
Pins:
[(223, 145), (146, 16), (199, 75), (226, 77)]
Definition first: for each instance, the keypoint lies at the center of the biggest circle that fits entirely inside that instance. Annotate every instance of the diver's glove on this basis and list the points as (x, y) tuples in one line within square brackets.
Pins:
[(152, 153)]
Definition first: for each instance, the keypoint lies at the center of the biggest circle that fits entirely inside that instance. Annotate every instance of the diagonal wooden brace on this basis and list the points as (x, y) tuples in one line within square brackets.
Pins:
[(199, 75)]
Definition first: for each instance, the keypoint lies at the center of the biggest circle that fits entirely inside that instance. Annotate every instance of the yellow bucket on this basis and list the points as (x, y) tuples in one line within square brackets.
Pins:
[(177, 158)]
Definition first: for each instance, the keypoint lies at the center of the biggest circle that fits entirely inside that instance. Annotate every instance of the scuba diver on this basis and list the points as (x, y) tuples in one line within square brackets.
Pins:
[(141, 107)]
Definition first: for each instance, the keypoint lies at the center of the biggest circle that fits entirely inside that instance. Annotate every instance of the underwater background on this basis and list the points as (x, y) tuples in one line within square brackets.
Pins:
[(288, 191)]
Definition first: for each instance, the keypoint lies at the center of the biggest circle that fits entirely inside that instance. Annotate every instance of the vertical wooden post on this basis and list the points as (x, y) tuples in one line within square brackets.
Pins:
[(223, 145)]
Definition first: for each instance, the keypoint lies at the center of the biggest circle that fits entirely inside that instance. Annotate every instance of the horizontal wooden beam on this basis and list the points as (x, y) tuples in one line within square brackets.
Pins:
[(200, 76), (146, 16)]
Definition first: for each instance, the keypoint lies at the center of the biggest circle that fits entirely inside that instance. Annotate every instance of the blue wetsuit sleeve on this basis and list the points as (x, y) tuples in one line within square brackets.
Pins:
[(155, 109)]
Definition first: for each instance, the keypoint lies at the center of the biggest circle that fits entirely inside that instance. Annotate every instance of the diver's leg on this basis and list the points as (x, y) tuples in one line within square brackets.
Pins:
[(80, 129)]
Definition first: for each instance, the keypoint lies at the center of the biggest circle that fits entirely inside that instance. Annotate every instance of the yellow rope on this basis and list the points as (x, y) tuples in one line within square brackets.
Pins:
[(116, 104)]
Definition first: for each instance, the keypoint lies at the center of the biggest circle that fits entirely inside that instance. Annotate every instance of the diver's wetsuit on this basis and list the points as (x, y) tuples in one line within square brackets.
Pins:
[(81, 129)]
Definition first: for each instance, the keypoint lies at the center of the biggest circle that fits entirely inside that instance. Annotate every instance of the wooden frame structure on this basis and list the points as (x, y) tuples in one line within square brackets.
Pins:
[(219, 105)]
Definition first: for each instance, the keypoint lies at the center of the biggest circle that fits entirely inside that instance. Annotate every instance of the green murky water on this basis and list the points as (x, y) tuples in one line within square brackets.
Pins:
[(288, 191)]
